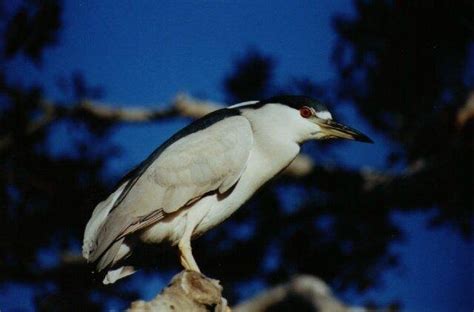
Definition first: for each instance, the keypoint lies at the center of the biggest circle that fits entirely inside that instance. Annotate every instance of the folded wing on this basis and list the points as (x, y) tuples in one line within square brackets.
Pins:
[(208, 156)]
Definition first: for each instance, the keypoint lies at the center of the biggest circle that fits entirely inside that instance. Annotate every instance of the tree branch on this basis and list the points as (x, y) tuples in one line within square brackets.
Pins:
[(189, 107), (191, 291), (188, 291), (303, 292), (181, 106)]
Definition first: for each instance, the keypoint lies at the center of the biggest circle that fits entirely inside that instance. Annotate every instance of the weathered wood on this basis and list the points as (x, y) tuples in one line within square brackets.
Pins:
[(188, 291)]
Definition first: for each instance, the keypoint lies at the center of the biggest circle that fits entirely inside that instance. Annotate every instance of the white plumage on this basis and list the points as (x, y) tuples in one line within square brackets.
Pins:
[(197, 179)]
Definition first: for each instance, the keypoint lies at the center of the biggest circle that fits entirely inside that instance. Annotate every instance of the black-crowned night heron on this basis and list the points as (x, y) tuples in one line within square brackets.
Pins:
[(201, 175)]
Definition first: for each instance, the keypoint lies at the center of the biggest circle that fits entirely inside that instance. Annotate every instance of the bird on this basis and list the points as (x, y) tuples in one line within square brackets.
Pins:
[(201, 175)]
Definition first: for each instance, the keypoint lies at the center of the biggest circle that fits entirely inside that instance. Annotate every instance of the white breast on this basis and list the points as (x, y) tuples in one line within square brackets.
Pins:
[(269, 155), (260, 169)]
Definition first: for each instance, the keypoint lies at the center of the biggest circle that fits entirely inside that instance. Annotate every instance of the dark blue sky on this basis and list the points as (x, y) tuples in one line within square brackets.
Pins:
[(144, 54)]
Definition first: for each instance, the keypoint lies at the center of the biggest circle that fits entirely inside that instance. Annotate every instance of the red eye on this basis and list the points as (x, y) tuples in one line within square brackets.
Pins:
[(305, 112)]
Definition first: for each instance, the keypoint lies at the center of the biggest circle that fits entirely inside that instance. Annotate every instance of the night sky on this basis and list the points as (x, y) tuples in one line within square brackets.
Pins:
[(145, 54)]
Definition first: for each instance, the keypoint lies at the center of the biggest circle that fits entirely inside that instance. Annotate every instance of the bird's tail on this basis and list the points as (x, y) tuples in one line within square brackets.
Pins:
[(109, 262), (114, 275), (112, 262), (96, 221)]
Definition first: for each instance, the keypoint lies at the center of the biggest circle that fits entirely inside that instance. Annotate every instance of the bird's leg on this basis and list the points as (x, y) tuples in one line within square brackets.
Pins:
[(187, 259)]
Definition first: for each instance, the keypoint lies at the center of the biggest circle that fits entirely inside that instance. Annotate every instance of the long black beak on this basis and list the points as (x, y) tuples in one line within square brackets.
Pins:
[(336, 130)]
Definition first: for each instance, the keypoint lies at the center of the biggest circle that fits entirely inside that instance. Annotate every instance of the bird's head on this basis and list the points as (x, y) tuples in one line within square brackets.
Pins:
[(306, 118)]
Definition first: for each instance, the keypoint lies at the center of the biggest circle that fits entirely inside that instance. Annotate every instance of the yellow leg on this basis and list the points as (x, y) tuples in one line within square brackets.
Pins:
[(187, 259)]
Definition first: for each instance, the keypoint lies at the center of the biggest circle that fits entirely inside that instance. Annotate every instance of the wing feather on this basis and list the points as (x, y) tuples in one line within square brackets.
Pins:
[(211, 159)]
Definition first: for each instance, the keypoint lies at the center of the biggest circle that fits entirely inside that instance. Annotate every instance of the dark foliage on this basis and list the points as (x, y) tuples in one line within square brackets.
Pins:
[(46, 191), (33, 27), (252, 80), (403, 64)]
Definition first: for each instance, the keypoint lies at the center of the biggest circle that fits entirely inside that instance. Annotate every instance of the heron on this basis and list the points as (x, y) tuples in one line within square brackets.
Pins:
[(201, 175)]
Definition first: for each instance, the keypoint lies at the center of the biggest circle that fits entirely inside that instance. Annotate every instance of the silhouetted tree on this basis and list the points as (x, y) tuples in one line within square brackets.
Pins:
[(252, 80), (406, 66), (402, 64), (46, 191)]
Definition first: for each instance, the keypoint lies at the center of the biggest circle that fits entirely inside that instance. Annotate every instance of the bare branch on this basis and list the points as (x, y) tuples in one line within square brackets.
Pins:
[(302, 291), (190, 107), (466, 112), (182, 106), (135, 114)]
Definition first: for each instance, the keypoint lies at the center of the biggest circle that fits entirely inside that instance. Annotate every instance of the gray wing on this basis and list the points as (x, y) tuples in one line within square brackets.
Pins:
[(211, 159)]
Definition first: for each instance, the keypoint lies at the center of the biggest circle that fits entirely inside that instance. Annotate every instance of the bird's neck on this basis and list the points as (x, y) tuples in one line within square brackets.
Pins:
[(276, 153), (274, 135), (274, 147)]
